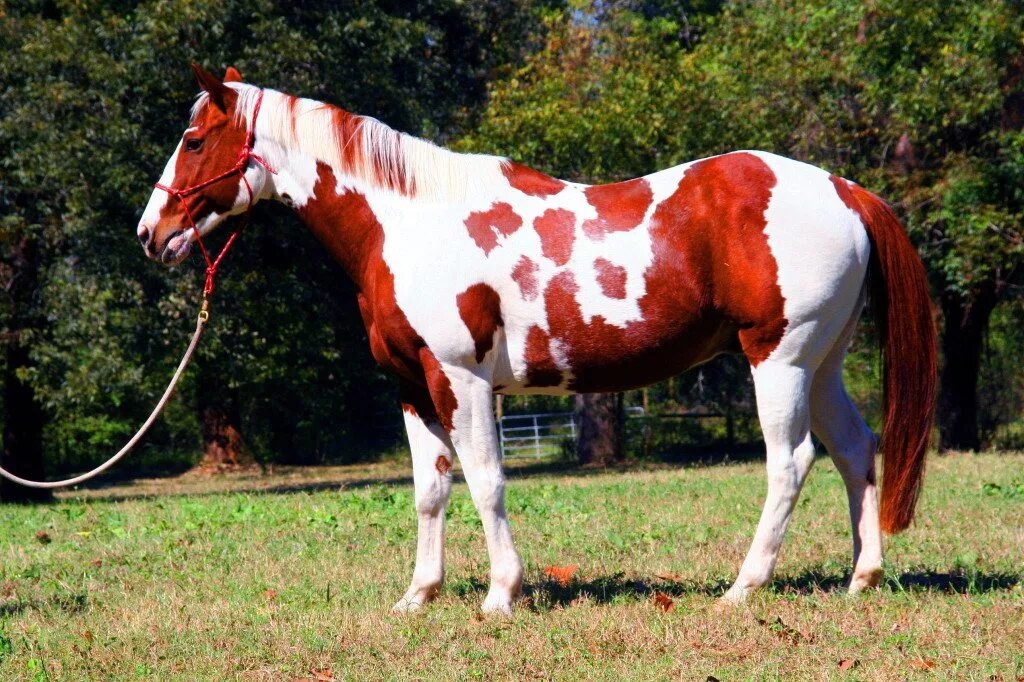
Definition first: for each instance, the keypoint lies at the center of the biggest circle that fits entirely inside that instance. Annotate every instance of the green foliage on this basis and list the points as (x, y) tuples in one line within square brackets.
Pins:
[(921, 102), (213, 583), (94, 96)]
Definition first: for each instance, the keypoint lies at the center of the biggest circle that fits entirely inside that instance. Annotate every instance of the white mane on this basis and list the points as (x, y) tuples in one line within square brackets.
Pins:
[(364, 147)]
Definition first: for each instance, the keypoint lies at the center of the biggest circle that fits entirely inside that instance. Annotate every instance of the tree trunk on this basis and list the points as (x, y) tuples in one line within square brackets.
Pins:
[(965, 321), (23, 432), (600, 416), (23, 417), (223, 446)]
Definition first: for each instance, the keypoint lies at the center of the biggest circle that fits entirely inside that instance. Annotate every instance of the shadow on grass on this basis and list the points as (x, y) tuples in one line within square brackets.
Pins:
[(75, 603), (112, 490), (618, 587)]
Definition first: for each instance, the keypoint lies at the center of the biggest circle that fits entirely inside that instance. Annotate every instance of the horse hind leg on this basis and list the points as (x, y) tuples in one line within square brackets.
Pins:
[(851, 444), (783, 397)]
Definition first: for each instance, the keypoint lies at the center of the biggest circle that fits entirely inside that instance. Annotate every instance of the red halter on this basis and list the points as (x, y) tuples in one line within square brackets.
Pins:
[(244, 156)]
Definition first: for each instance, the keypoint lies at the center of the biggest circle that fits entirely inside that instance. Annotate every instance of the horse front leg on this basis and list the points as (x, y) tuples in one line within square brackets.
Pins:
[(475, 438), (431, 468)]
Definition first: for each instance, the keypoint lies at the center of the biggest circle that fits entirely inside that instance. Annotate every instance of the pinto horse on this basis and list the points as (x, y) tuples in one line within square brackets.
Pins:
[(478, 275)]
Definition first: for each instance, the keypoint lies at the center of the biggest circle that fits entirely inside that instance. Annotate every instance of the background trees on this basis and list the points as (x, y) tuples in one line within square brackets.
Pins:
[(93, 97), (922, 102)]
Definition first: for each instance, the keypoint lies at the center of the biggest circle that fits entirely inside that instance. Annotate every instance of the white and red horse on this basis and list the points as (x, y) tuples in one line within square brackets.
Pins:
[(479, 275)]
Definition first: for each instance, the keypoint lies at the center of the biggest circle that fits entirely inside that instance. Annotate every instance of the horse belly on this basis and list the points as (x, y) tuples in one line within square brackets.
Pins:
[(577, 355)]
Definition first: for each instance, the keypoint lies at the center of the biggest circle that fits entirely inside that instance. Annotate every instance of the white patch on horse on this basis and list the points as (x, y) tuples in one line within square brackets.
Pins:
[(805, 216)]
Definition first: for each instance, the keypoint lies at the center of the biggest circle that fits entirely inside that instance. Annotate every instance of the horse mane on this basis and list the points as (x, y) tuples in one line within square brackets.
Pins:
[(364, 148)]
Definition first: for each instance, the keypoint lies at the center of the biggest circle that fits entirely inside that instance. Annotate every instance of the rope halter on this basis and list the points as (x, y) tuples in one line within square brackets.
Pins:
[(245, 155)]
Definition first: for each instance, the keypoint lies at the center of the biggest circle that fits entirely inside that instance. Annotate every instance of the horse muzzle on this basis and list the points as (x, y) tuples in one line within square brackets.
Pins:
[(176, 249)]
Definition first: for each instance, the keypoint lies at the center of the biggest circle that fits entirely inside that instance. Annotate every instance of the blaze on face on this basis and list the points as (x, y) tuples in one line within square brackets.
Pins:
[(208, 148)]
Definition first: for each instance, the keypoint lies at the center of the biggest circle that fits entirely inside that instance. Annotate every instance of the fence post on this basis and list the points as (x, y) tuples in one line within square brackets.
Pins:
[(501, 436), (537, 438)]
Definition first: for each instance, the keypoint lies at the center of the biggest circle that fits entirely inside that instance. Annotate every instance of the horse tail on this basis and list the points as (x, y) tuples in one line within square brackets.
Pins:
[(898, 289)]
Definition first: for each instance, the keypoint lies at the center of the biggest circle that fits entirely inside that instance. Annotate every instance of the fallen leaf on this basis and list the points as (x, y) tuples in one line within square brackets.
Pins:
[(96, 562), (326, 675), (87, 636), (271, 595), (663, 601), (43, 537), (561, 574), (670, 577), (922, 664), (847, 664), (785, 632)]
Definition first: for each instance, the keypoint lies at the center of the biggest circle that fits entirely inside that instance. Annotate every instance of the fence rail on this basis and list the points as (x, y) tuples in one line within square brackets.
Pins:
[(550, 433), (536, 435)]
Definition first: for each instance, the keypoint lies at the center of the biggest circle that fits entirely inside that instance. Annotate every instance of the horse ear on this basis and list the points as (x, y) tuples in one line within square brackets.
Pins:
[(232, 75), (219, 93)]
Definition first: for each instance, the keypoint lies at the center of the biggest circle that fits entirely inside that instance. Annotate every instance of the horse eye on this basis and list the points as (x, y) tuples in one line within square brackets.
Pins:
[(193, 145)]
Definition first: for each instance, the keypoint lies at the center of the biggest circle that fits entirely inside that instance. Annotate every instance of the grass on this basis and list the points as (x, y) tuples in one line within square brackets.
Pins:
[(291, 575)]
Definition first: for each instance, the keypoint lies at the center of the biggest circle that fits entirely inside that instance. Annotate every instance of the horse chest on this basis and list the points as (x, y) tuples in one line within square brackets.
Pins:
[(394, 344)]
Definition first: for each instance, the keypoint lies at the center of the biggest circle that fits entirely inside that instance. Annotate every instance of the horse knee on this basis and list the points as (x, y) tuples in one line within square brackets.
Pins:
[(431, 498), (855, 457)]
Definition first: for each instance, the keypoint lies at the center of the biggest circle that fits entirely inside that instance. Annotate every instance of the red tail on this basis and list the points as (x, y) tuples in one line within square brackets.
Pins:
[(903, 310)]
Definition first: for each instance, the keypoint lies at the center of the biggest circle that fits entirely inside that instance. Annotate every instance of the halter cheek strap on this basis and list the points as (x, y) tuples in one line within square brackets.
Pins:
[(241, 164)]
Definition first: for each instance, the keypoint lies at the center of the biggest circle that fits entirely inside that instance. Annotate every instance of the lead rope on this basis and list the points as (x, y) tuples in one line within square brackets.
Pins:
[(204, 315), (212, 264)]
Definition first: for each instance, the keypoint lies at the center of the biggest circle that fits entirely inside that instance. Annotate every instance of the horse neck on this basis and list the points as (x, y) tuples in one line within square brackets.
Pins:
[(336, 192), (338, 211)]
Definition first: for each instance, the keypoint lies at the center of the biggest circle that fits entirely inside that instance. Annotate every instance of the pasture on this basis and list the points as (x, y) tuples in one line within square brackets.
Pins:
[(291, 575)]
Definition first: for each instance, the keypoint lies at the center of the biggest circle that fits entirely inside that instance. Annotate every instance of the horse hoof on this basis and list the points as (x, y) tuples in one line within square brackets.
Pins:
[(497, 605), (404, 605), (865, 580), (414, 600), (734, 597)]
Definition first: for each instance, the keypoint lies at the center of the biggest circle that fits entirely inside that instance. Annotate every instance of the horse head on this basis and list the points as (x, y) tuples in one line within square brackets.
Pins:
[(211, 175)]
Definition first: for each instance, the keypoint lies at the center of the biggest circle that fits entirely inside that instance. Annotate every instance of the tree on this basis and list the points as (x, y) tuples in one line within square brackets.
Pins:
[(921, 102), (600, 440), (586, 106), (95, 95)]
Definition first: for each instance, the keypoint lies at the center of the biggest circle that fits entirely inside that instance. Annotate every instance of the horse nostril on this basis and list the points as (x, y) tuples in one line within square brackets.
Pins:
[(144, 236)]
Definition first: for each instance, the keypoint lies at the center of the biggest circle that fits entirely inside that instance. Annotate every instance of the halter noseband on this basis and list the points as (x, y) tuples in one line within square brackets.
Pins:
[(244, 157)]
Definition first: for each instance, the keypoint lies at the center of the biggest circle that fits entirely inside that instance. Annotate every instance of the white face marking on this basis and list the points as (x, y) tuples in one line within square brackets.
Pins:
[(159, 198)]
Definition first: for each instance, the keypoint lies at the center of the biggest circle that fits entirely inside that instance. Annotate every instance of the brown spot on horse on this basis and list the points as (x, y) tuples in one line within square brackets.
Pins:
[(530, 181), (611, 278), (556, 228), (480, 309), (525, 275), (620, 206), (485, 226)]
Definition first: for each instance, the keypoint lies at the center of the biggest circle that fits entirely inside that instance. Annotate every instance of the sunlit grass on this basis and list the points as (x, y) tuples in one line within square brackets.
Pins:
[(202, 584)]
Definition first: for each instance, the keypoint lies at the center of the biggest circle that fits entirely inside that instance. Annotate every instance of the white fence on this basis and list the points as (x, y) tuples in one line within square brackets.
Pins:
[(535, 435)]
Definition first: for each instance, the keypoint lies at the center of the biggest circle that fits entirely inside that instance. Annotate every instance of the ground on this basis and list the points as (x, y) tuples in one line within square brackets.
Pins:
[(291, 575)]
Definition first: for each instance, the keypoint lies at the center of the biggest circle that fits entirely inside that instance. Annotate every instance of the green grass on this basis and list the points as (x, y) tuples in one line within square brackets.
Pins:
[(297, 578)]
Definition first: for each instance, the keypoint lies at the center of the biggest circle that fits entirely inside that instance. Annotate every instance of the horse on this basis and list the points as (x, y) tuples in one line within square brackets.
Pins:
[(477, 275)]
